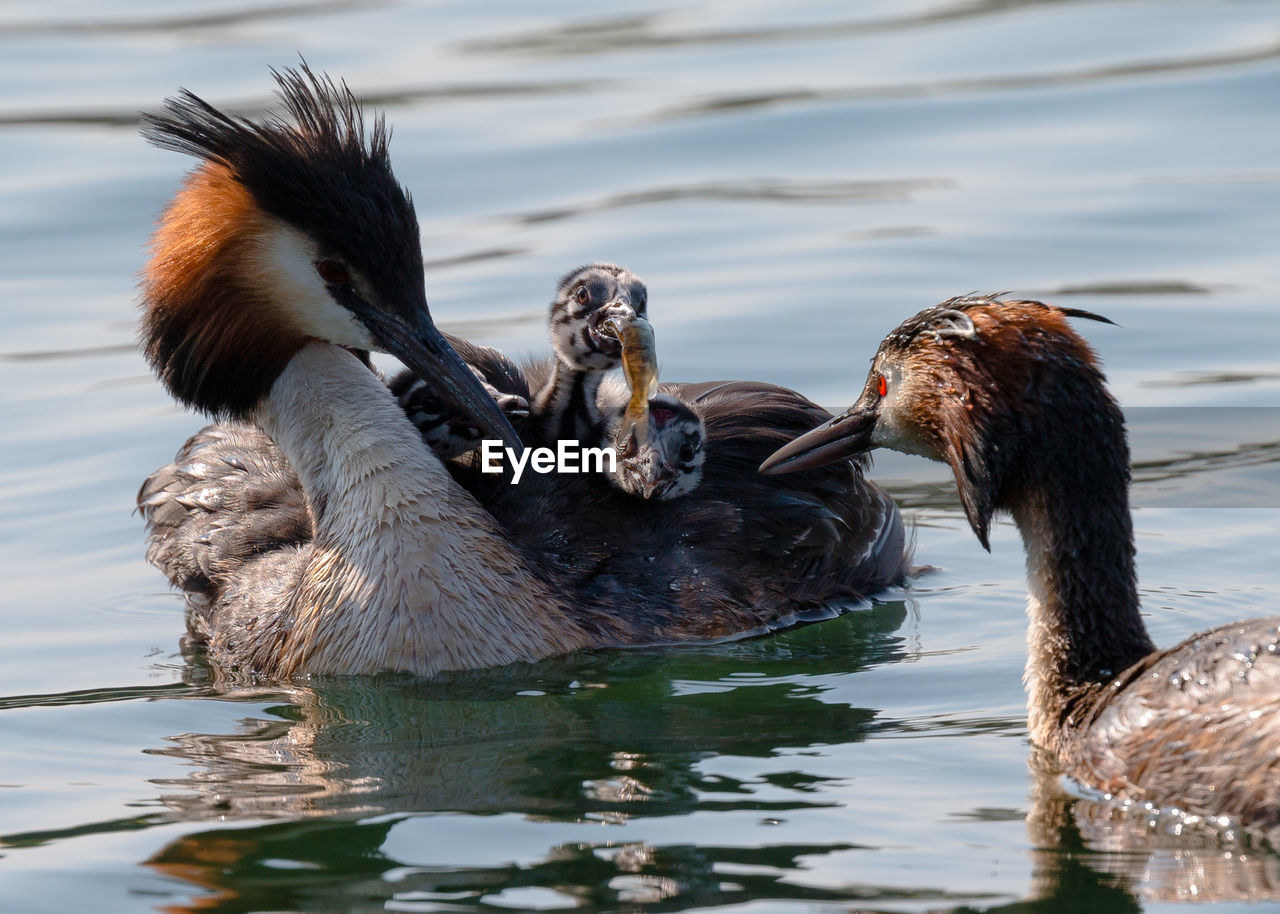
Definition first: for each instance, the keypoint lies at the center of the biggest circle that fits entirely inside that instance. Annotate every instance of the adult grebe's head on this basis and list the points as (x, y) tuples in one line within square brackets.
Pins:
[(291, 229), (989, 387), (585, 299)]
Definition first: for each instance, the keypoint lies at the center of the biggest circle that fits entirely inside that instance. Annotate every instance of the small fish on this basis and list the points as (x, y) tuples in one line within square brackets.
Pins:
[(640, 366)]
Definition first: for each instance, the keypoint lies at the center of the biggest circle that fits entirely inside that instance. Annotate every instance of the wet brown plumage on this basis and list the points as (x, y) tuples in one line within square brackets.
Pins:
[(1012, 398)]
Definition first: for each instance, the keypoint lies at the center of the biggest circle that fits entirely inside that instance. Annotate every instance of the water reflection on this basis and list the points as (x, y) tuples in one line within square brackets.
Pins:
[(1212, 379), (1133, 287), (1101, 857), (606, 35), (1222, 457), (1084, 855), (199, 21), (394, 97), (335, 864), (360, 784), (359, 794), (605, 738)]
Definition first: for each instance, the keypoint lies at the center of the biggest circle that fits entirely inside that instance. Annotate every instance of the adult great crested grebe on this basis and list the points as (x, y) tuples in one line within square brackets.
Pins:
[(314, 532), (1009, 396)]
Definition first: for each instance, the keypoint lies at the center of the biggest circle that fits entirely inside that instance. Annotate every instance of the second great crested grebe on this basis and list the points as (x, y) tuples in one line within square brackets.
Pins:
[(312, 531), (1009, 396)]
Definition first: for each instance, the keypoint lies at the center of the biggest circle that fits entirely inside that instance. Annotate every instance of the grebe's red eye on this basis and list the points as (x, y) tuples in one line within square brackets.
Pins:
[(334, 272), (882, 385)]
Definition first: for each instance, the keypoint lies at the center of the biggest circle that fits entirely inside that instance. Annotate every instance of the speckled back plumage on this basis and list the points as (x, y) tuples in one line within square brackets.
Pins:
[(448, 433), (1195, 727)]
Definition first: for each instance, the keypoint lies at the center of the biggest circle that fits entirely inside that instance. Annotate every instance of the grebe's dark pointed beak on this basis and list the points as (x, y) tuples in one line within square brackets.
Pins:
[(844, 436), (426, 352)]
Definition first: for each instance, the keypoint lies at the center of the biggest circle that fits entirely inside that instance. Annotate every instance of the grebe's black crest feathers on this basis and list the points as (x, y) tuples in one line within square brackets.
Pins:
[(951, 318), (1086, 315), (325, 120), (317, 167)]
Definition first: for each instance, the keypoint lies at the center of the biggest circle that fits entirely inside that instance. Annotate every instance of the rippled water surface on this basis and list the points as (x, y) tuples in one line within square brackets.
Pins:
[(792, 179)]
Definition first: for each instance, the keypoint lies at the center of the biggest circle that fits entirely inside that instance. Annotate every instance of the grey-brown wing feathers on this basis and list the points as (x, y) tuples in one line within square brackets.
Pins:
[(227, 517)]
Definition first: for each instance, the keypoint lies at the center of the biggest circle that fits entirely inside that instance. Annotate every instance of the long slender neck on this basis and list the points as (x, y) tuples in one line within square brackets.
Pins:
[(566, 404), (408, 572), (1073, 513)]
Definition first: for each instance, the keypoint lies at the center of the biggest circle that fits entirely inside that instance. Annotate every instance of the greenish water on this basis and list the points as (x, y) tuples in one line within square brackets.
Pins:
[(792, 179)]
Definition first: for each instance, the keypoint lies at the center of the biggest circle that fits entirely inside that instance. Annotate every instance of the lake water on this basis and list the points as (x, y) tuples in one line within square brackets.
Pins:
[(792, 179)]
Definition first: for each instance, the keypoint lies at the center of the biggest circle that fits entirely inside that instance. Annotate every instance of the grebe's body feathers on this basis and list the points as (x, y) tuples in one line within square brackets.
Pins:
[(741, 542), (1198, 728), (741, 554), (228, 497)]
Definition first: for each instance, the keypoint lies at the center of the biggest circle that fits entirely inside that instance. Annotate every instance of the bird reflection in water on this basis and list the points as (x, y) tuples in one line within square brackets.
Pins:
[(604, 738), (1090, 855), (305, 799)]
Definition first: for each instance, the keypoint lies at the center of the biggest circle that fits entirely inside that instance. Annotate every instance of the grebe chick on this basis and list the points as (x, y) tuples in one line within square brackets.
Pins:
[(291, 244), (667, 464), (1009, 396), (448, 432), (592, 307), (565, 406)]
